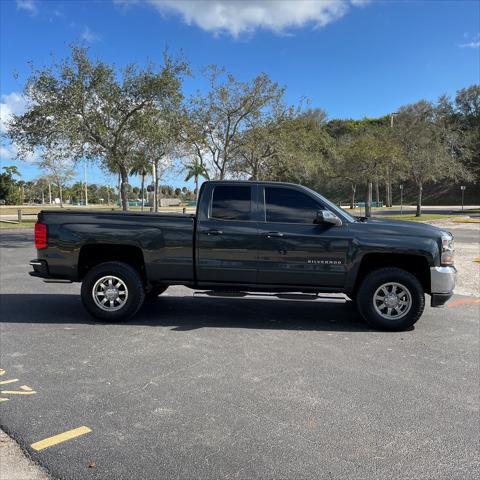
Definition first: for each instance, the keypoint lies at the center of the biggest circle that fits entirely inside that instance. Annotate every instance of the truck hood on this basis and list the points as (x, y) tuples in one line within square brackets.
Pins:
[(397, 227)]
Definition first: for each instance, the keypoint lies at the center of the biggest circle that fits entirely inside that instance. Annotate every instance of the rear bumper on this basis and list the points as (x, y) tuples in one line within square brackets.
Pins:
[(40, 268), (442, 283)]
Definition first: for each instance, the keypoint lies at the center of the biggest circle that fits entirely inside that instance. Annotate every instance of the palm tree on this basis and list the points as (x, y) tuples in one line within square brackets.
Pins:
[(196, 170), (141, 168)]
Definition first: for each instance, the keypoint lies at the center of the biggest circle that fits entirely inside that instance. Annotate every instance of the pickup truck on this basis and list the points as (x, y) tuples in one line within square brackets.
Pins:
[(248, 236)]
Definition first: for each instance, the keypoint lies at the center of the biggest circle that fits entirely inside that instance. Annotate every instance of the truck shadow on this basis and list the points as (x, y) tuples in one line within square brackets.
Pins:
[(185, 313)]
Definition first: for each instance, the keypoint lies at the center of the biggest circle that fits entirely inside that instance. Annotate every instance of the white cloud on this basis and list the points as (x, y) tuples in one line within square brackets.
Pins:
[(89, 36), (238, 17), (30, 6), (13, 103), (470, 45), (473, 43)]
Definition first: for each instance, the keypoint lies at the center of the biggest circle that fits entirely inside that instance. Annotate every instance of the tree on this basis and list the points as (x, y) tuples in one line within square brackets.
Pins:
[(305, 152), (59, 167), (428, 154), (158, 139), (362, 156), (8, 185), (466, 113), (229, 107), (93, 109), (196, 170)]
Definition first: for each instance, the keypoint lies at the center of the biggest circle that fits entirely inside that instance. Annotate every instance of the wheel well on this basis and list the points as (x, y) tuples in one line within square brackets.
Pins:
[(415, 264), (91, 255)]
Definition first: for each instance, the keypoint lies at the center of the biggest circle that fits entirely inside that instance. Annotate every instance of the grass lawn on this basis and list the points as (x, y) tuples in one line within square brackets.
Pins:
[(29, 223), (426, 217)]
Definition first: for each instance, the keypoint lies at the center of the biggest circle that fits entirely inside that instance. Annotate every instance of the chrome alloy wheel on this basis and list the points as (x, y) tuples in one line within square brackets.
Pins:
[(110, 293), (392, 301)]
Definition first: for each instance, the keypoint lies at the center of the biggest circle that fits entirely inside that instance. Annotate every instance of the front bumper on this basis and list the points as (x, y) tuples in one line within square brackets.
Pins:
[(442, 284)]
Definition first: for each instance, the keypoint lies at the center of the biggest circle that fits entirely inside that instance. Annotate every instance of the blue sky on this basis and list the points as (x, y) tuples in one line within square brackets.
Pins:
[(353, 58)]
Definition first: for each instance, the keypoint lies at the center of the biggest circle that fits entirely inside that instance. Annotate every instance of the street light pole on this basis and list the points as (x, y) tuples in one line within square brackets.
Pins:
[(85, 177), (401, 199), (462, 188)]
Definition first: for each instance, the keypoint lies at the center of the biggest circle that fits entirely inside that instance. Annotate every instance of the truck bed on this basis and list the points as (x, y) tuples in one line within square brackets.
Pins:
[(163, 240)]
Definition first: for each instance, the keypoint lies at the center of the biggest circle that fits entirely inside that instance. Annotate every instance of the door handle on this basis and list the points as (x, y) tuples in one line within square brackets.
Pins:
[(274, 234), (213, 232)]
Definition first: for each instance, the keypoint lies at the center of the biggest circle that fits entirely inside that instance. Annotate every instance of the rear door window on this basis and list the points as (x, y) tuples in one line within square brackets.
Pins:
[(232, 202)]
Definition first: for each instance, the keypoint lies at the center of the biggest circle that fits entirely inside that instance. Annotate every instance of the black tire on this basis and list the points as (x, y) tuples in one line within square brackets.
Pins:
[(414, 296), (154, 292), (132, 284)]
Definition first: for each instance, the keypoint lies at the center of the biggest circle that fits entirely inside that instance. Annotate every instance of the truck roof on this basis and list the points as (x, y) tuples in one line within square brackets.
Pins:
[(251, 182)]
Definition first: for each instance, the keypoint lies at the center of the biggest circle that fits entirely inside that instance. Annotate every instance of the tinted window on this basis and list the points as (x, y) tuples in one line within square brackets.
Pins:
[(232, 202), (284, 205)]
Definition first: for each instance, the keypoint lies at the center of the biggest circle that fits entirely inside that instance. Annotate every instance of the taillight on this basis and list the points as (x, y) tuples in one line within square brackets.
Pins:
[(40, 235)]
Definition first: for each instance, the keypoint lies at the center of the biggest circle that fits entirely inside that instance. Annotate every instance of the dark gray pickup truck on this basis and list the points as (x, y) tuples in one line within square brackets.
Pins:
[(246, 237)]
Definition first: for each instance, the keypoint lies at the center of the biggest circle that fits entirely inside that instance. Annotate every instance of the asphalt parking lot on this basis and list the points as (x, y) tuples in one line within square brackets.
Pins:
[(234, 388)]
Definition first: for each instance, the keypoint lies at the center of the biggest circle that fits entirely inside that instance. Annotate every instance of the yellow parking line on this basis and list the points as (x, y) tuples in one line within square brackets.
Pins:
[(61, 437), (5, 382), (4, 399), (26, 388), (477, 259), (2, 372), (17, 392)]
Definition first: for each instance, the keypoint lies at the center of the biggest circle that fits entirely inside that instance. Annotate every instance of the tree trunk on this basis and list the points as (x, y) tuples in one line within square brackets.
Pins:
[(387, 193), (49, 193), (119, 186), (43, 197), (419, 201), (156, 181), (143, 188), (377, 193), (390, 194), (368, 203), (196, 188), (354, 191), (86, 184), (60, 193), (123, 189)]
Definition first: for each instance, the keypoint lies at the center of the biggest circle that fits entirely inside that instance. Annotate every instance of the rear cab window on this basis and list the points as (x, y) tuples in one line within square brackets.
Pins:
[(232, 202)]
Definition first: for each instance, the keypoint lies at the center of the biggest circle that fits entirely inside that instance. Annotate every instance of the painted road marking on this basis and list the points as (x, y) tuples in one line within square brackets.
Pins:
[(477, 259), (463, 301), (25, 390), (61, 437), (6, 382)]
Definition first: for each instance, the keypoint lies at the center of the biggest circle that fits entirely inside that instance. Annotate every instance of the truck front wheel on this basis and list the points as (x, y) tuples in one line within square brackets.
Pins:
[(112, 291), (391, 299)]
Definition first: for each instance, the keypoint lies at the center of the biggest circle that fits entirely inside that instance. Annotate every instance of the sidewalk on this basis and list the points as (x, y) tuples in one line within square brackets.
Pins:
[(14, 464)]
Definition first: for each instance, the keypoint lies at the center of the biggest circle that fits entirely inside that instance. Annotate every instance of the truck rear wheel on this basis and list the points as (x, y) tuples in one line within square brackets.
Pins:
[(112, 291), (391, 299)]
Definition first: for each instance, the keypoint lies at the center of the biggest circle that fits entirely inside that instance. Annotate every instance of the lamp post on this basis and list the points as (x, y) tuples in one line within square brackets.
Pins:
[(401, 199), (85, 179), (462, 188)]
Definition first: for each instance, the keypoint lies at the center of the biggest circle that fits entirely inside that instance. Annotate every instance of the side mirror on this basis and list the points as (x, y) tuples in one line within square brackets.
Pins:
[(326, 216)]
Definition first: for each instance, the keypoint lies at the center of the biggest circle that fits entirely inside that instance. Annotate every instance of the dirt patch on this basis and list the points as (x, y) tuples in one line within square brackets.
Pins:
[(467, 249)]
